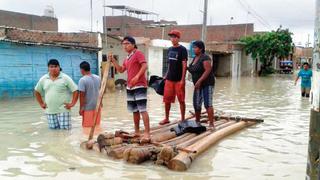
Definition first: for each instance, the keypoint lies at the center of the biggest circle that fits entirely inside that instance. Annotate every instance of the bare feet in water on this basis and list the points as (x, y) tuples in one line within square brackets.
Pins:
[(145, 138), (163, 122)]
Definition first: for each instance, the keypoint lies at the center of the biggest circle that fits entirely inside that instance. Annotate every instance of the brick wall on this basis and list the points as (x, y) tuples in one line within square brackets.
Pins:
[(138, 28), (26, 21)]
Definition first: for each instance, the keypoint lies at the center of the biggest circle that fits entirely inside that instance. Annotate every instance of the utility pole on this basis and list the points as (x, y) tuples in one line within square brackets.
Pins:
[(204, 23), (313, 164), (104, 17), (91, 17)]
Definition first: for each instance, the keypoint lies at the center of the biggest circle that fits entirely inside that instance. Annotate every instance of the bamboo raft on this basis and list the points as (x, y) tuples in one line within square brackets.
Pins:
[(166, 148)]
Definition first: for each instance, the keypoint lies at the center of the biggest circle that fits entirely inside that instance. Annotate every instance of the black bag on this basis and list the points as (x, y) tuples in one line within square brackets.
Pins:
[(157, 83), (190, 126)]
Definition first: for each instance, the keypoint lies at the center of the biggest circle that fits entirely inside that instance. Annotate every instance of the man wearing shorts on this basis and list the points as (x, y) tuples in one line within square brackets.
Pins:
[(136, 65), (57, 88), (89, 86), (305, 75), (175, 77)]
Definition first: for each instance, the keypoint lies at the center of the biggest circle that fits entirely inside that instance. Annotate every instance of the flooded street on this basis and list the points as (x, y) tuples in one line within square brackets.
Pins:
[(275, 149)]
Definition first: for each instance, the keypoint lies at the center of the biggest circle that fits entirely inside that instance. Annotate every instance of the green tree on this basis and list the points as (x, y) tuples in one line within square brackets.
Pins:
[(268, 46)]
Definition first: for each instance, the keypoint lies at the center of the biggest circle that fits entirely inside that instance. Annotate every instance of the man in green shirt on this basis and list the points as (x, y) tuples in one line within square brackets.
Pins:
[(56, 87)]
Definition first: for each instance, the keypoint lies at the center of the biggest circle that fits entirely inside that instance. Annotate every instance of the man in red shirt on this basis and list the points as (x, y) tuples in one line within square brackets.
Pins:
[(175, 76), (136, 65)]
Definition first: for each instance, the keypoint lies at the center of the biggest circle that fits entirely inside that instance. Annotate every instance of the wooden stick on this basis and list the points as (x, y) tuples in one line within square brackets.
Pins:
[(99, 101)]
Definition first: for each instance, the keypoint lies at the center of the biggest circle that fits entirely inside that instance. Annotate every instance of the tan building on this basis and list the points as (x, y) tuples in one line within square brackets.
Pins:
[(28, 21)]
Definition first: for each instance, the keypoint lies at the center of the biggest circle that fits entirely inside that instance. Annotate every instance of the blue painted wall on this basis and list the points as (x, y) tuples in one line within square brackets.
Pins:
[(21, 66)]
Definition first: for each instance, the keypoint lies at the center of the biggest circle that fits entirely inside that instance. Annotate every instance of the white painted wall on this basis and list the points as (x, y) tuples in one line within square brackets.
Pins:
[(155, 58), (155, 55), (236, 64), (166, 43)]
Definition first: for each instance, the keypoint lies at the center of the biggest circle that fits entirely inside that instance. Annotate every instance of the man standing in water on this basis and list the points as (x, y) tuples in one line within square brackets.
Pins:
[(175, 76), (89, 86), (136, 65), (305, 75), (57, 88)]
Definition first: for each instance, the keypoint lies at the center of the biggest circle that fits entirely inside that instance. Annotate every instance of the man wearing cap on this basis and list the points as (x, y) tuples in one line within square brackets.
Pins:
[(56, 87), (175, 76), (136, 66)]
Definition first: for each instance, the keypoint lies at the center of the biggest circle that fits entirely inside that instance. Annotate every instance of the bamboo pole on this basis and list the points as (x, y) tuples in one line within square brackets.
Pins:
[(199, 137), (183, 160), (239, 118), (186, 136)]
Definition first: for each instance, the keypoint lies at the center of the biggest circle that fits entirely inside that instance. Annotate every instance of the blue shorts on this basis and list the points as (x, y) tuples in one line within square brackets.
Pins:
[(204, 94), (59, 120), (137, 100)]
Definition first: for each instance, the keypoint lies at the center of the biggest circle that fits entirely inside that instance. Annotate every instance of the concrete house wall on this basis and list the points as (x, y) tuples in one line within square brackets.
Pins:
[(22, 65)]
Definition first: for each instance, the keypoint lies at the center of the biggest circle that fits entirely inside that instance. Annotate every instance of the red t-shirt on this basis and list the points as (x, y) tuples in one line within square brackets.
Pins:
[(133, 64)]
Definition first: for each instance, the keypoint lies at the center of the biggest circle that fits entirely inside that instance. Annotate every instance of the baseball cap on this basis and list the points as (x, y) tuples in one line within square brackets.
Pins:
[(175, 33)]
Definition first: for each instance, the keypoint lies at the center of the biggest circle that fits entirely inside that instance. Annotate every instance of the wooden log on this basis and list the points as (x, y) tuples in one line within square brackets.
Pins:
[(197, 138), (176, 138), (137, 155), (178, 141), (165, 155), (117, 153), (173, 140), (108, 140), (163, 136), (191, 138), (183, 160)]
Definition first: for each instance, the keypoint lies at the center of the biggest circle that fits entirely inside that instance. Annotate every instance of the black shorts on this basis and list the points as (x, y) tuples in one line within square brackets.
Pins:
[(137, 99)]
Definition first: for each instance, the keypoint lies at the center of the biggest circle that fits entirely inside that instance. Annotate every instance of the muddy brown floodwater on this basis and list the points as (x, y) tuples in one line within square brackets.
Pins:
[(276, 149)]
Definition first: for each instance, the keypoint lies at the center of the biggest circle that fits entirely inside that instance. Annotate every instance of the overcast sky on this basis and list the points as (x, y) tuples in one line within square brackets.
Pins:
[(74, 15)]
